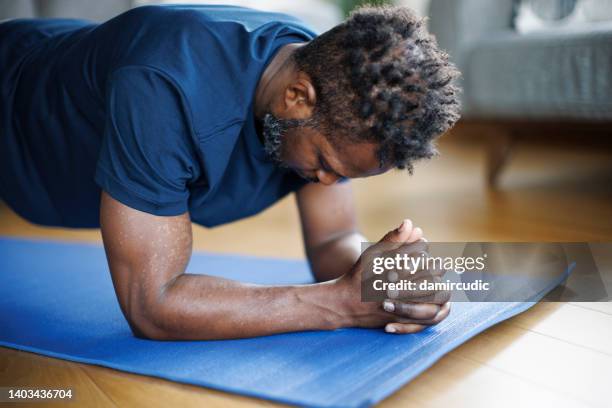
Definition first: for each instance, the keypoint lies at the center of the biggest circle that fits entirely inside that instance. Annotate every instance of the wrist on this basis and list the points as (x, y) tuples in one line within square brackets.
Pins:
[(343, 298), (323, 306)]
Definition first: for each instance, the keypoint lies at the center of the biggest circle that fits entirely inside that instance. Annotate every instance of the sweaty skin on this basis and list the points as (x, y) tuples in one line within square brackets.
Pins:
[(148, 254)]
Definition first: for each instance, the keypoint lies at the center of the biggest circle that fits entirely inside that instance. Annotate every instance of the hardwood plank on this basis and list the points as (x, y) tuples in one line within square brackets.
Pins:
[(568, 323), (541, 359), (136, 390), (23, 369), (603, 307), (455, 381)]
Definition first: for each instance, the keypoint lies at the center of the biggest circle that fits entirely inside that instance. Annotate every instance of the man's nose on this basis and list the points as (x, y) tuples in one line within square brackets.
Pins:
[(327, 178)]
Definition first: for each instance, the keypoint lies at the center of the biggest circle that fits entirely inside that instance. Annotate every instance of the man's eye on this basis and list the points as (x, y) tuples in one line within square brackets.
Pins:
[(324, 165), (327, 169)]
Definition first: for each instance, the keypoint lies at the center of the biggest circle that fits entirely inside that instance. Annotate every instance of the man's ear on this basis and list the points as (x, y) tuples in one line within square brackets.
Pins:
[(300, 97)]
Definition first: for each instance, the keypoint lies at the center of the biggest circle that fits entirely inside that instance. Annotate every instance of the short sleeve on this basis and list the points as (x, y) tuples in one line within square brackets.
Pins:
[(147, 157)]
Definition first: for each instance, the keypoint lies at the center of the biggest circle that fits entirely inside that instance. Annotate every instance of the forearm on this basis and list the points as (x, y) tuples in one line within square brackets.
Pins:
[(198, 307), (335, 257)]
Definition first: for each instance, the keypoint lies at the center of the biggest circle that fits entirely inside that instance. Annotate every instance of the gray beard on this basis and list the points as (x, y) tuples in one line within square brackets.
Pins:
[(275, 133)]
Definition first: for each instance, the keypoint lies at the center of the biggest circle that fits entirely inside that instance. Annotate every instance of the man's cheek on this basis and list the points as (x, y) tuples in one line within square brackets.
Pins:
[(290, 155)]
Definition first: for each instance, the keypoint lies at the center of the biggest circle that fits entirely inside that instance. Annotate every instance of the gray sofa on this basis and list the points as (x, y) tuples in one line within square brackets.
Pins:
[(551, 82), (86, 9), (547, 75)]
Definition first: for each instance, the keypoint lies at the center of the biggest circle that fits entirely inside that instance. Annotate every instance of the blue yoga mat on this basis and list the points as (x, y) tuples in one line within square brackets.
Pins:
[(57, 299)]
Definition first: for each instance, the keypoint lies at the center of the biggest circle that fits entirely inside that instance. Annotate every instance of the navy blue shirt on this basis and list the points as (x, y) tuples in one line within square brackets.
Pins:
[(155, 107)]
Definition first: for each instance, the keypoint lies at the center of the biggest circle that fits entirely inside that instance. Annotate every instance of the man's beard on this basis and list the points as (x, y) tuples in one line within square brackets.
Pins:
[(275, 133)]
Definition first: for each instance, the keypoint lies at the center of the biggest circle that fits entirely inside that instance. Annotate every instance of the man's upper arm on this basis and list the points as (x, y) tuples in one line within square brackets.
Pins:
[(144, 253), (326, 212)]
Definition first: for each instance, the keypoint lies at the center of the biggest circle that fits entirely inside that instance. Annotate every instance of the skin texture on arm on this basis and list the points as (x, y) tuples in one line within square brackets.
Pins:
[(329, 227), (147, 257)]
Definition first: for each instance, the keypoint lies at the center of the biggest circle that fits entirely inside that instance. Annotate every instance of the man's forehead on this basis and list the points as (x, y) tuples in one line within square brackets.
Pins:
[(361, 159)]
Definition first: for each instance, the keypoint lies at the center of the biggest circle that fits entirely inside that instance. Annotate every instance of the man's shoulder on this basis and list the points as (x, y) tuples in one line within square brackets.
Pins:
[(195, 16), (212, 55)]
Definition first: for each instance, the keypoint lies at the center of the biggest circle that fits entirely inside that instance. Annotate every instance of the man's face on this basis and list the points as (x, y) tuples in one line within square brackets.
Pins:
[(295, 144)]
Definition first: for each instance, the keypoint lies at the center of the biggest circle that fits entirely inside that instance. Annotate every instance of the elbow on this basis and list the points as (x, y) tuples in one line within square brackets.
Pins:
[(147, 331), (148, 322)]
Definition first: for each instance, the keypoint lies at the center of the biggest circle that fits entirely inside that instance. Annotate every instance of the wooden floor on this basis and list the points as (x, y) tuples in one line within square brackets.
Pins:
[(556, 354)]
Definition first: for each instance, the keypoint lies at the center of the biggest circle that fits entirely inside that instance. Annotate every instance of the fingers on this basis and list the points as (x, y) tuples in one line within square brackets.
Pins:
[(419, 294), (439, 297), (421, 288), (416, 235), (406, 326), (431, 275), (443, 313), (420, 311), (414, 249), (400, 234), (405, 233)]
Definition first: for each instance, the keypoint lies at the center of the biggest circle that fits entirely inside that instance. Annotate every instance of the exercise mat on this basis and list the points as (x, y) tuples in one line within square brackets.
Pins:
[(57, 299)]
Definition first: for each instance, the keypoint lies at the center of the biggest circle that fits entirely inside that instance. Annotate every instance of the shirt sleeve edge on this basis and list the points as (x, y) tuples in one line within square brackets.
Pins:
[(126, 196)]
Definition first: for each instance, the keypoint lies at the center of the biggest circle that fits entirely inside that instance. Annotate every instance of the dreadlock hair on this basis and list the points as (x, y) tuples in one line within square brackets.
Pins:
[(380, 77)]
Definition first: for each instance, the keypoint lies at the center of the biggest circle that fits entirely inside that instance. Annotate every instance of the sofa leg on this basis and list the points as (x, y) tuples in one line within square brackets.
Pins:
[(498, 154)]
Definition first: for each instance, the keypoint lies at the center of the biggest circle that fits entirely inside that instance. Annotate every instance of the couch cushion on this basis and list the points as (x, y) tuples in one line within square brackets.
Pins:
[(538, 15), (544, 75)]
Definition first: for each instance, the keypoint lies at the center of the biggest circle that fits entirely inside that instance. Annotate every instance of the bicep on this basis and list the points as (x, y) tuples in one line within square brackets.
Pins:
[(326, 212), (144, 251)]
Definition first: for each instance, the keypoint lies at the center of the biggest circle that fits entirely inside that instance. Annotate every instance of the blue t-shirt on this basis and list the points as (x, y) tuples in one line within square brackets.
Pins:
[(153, 106)]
